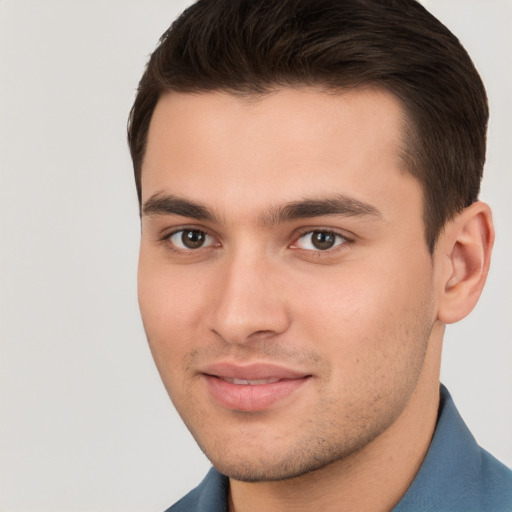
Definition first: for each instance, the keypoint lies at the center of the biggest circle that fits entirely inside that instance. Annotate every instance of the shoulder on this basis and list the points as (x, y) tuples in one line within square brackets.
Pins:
[(210, 494), (457, 474), (495, 483)]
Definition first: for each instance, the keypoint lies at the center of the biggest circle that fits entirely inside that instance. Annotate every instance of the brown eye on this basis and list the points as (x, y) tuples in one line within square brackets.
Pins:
[(323, 240), (190, 239), (320, 240)]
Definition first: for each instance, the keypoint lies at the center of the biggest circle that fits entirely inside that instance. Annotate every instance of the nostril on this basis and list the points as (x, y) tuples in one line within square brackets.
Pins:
[(241, 336), (263, 333)]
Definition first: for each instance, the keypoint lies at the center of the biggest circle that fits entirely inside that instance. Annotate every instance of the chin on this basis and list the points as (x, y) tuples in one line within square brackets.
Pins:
[(263, 466), (247, 472)]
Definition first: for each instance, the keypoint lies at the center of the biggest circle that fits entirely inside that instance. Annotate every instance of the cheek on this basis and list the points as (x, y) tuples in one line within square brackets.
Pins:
[(170, 312), (367, 315), (373, 337), (344, 304)]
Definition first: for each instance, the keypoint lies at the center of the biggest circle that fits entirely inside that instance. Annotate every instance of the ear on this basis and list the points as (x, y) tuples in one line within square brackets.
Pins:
[(464, 250)]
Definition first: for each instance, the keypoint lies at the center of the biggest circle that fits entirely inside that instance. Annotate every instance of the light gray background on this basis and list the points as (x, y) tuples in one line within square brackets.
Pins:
[(85, 424)]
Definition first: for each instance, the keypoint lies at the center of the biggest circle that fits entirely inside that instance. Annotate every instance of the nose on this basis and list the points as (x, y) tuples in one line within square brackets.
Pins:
[(250, 301)]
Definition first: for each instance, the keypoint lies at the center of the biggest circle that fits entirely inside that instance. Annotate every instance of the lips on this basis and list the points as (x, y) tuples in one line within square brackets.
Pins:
[(252, 382), (252, 388)]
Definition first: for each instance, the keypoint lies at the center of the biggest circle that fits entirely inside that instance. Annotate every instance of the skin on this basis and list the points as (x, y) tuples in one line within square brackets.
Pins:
[(363, 319)]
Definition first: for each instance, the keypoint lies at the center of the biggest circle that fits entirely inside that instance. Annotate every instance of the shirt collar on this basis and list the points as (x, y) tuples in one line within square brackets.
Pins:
[(449, 477)]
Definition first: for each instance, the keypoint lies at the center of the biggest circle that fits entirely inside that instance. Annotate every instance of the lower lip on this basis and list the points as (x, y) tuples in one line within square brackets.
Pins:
[(251, 398)]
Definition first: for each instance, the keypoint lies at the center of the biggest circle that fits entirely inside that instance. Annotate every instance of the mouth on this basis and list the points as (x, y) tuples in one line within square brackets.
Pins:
[(247, 382), (252, 388)]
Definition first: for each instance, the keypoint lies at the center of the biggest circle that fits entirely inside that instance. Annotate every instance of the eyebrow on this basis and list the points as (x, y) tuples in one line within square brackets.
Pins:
[(340, 205), (334, 205), (173, 205)]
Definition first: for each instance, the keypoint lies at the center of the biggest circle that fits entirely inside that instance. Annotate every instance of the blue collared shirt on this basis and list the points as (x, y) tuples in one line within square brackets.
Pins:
[(455, 476)]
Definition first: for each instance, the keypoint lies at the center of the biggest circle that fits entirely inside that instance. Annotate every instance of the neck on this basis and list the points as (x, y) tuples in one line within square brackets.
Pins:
[(372, 479)]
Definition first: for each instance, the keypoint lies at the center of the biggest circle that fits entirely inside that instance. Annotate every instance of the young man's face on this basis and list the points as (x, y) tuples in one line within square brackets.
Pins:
[(285, 284)]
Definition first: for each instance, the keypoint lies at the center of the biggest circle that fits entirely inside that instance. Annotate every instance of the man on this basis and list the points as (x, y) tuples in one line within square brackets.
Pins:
[(308, 175)]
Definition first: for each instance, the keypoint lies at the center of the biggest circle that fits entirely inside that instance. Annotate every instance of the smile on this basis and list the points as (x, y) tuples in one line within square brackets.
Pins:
[(247, 382), (252, 388)]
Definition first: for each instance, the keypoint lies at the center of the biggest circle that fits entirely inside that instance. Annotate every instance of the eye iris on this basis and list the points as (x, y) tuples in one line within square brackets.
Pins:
[(323, 240), (193, 239)]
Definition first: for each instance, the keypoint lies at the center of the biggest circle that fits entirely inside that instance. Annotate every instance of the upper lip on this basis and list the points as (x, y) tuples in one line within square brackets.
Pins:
[(252, 371)]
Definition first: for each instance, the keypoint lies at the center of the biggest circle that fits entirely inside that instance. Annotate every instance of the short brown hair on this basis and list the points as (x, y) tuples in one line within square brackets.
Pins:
[(255, 46)]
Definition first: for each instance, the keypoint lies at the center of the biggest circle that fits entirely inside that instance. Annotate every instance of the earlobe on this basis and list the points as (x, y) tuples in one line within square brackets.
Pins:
[(465, 248)]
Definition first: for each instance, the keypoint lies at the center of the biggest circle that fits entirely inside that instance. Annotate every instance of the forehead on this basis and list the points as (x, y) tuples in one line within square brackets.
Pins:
[(221, 149)]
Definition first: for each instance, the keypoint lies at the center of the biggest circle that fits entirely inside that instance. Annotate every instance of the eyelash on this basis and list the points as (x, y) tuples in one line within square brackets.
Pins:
[(167, 238), (172, 245), (340, 240)]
